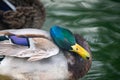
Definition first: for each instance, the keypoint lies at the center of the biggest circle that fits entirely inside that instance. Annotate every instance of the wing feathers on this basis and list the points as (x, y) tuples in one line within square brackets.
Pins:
[(44, 48), (11, 50), (26, 33)]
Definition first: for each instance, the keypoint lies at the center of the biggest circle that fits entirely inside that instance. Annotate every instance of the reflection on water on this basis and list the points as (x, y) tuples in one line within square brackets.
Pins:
[(98, 21)]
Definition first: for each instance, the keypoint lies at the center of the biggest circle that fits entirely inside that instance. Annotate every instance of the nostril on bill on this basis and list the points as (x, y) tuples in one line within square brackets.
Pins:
[(87, 58)]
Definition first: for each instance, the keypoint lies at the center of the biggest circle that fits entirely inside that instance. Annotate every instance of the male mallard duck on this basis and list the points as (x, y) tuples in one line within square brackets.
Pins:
[(58, 55), (16, 14)]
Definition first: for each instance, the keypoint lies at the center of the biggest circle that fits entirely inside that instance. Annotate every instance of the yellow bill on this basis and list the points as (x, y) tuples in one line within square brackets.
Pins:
[(81, 51)]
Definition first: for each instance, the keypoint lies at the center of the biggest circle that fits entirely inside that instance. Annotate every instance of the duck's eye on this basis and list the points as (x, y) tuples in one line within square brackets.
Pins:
[(24, 41)]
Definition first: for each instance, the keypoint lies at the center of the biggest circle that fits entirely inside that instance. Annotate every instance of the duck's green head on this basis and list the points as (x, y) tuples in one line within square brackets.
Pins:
[(66, 40)]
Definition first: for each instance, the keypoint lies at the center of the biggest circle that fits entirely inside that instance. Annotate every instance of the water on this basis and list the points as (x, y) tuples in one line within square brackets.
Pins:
[(98, 21)]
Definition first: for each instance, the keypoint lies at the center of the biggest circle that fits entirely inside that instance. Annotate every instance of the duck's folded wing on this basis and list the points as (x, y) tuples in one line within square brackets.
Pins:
[(44, 48)]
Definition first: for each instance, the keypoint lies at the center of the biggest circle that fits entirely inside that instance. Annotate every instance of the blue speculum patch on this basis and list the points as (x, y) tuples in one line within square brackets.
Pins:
[(24, 41)]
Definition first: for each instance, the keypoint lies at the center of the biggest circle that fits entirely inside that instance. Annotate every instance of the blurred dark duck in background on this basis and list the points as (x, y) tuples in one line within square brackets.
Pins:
[(15, 14)]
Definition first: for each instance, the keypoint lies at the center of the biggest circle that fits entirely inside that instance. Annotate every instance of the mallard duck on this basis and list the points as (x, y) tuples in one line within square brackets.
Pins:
[(16, 14), (38, 55)]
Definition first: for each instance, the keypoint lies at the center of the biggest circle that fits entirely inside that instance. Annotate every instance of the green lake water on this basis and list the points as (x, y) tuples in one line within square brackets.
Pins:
[(98, 21)]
